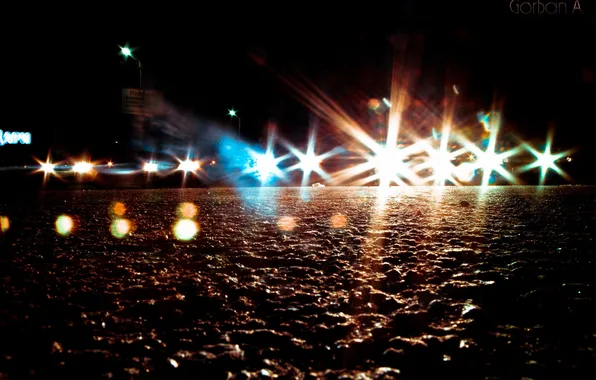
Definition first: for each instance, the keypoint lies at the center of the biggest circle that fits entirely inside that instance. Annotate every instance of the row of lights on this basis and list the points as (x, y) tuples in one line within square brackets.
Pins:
[(185, 228), (388, 160), (85, 167)]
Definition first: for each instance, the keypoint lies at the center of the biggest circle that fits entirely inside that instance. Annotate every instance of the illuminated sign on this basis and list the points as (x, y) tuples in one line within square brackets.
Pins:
[(14, 138)]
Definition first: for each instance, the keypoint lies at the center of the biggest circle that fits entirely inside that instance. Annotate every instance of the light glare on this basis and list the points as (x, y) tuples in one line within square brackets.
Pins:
[(47, 167), (82, 167), (64, 225), (150, 167), (189, 166), (185, 230)]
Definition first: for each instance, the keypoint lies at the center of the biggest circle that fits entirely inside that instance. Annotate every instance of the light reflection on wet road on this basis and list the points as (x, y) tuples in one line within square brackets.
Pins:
[(301, 282)]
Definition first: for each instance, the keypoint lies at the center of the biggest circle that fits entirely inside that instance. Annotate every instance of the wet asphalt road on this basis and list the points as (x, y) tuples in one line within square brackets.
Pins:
[(299, 283)]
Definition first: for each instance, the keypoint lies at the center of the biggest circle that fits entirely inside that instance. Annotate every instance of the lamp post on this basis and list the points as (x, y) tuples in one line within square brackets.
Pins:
[(233, 114), (126, 52)]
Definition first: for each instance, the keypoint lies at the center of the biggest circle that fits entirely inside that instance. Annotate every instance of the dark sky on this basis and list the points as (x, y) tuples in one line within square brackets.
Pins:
[(65, 74)]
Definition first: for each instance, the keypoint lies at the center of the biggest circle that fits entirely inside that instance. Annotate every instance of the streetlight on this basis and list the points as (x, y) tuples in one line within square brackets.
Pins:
[(127, 52), (233, 114)]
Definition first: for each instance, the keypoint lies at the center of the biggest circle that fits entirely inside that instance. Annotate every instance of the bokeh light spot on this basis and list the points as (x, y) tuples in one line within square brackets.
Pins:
[(373, 104), (64, 225), (185, 230), (119, 209), (4, 223), (286, 223), (188, 210), (338, 221), (120, 228)]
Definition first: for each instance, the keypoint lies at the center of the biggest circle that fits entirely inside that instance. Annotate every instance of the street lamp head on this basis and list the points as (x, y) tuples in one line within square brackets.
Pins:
[(126, 52), (232, 113)]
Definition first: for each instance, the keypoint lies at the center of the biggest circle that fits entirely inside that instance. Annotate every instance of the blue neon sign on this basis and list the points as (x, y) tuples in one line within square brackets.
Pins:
[(14, 138)]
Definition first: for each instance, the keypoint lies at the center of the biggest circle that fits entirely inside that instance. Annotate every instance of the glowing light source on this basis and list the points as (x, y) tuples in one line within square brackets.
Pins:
[(110, 164), (440, 160), (118, 209), (82, 167), (545, 161), (47, 167), (126, 52), (442, 168), (15, 138), (373, 104), (233, 114), (185, 230), (150, 167), (388, 164), (188, 210), (4, 223), (265, 165), (189, 166), (120, 228), (310, 161), (488, 160), (64, 225)]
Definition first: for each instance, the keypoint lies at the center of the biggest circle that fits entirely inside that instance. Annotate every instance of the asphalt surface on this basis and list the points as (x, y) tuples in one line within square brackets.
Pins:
[(302, 283)]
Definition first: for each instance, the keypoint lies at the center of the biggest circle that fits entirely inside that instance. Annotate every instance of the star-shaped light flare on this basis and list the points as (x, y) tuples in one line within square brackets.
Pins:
[(545, 161), (47, 168), (310, 162), (440, 160), (490, 161), (126, 52), (265, 165)]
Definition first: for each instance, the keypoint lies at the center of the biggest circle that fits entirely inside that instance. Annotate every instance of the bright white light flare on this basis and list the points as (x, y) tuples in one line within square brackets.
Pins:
[(82, 167), (488, 160), (545, 161), (189, 166), (150, 167), (47, 167), (310, 162)]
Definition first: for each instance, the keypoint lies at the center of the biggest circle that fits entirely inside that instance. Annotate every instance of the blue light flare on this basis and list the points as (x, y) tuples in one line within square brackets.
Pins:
[(264, 166)]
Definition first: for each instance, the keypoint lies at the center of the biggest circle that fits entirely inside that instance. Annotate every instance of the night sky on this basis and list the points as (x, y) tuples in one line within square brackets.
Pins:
[(66, 78)]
